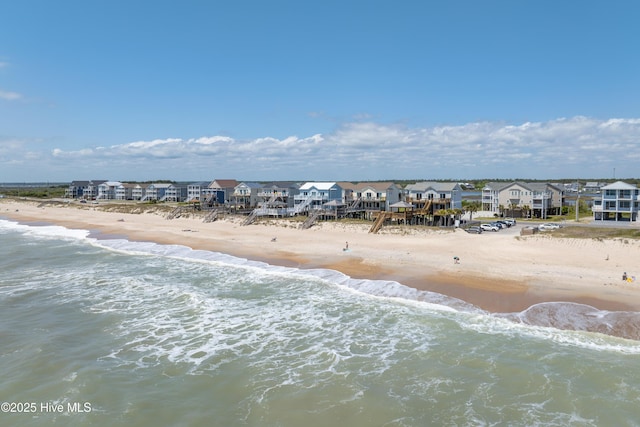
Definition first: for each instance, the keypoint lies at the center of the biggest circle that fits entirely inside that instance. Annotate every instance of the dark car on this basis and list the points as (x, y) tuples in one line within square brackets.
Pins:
[(473, 230)]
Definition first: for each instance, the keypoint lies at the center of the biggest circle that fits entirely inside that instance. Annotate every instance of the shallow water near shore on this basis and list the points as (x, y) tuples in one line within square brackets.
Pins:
[(141, 334)]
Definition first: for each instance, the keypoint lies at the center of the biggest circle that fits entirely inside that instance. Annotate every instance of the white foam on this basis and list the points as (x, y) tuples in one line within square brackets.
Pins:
[(496, 324), (466, 315), (52, 231)]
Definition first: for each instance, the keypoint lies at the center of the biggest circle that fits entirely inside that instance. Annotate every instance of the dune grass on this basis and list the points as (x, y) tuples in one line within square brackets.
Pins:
[(597, 233)]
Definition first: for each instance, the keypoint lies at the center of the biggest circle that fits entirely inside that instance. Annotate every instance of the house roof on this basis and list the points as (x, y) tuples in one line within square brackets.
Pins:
[(223, 183), (378, 186), (280, 184), (435, 186), (346, 185), (250, 184), (402, 204), (318, 185), (619, 185), (531, 186)]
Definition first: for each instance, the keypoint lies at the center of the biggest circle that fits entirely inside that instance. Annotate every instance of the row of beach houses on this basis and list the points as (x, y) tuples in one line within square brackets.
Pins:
[(617, 201)]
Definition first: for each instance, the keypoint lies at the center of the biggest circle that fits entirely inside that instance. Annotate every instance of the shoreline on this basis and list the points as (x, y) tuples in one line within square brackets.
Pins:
[(498, 272)]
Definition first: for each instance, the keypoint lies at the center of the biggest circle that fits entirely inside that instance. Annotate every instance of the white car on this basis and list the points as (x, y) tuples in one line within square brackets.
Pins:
[(548, 226), (489, 227)]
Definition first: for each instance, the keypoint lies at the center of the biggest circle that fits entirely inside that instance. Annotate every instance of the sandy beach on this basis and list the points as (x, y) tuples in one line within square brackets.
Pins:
[(498, 272)]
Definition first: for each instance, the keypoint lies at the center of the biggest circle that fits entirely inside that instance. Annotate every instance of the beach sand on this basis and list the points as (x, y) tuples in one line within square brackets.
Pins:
[(498, 272)]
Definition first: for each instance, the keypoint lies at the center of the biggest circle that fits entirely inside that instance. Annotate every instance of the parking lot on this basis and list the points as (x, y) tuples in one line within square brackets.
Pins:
[(511, 231)]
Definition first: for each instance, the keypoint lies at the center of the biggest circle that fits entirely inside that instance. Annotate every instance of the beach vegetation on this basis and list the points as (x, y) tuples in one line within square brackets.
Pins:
[(597, 233), (471, 207), (36, 191), (584, 211)]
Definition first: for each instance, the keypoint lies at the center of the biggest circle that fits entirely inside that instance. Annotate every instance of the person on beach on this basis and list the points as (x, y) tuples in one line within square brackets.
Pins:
[(624, 276), (456, 260)]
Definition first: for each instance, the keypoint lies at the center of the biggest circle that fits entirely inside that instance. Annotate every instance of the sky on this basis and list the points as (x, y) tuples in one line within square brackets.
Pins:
[(324, 90)]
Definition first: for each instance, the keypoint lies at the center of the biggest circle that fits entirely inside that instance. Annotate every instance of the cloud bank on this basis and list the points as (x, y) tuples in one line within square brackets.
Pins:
[(562, 148)]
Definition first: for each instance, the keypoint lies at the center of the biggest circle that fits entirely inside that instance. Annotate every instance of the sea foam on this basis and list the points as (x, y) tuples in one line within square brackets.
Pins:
[(534, 321)]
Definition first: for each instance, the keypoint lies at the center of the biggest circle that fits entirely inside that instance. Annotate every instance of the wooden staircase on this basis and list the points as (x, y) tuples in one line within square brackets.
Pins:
[(427, 208), (251, 218), (176, 212), (377, 224), (313, 216), (211, 216)]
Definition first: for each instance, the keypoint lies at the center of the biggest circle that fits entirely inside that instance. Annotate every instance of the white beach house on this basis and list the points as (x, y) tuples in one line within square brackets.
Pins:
[(312, 195), (195, 191), (618, 202), (245, 195), (155, 192), (107, 190), (175, 193), (125, 191)]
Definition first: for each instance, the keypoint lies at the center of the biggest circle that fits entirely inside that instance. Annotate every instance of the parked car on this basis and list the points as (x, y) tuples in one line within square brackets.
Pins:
[(499, 225), (504, 223), (548, 226), (489, 227), (510, 222), (473, 230)]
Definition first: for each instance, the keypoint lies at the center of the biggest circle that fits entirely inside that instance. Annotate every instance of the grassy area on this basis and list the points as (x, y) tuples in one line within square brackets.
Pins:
[(597, 233), (35, 192)]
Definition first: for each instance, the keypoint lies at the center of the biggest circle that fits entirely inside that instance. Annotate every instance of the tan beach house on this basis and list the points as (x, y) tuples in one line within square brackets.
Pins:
[(434, 196), (364, 199), (523, 199), (245, 195), (220, 191)]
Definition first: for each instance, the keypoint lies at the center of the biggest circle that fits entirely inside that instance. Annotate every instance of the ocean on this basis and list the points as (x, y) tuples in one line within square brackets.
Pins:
[(101, 331)]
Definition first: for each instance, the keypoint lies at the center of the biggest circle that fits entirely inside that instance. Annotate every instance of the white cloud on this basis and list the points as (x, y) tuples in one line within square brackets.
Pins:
[(566, 147), (9, 96)]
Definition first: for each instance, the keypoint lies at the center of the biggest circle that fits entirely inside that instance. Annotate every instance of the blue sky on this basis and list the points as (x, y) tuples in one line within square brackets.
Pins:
[(318, 90)]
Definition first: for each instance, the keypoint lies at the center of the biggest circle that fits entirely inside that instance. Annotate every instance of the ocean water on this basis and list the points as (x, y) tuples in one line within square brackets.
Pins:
[(107, 332)]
